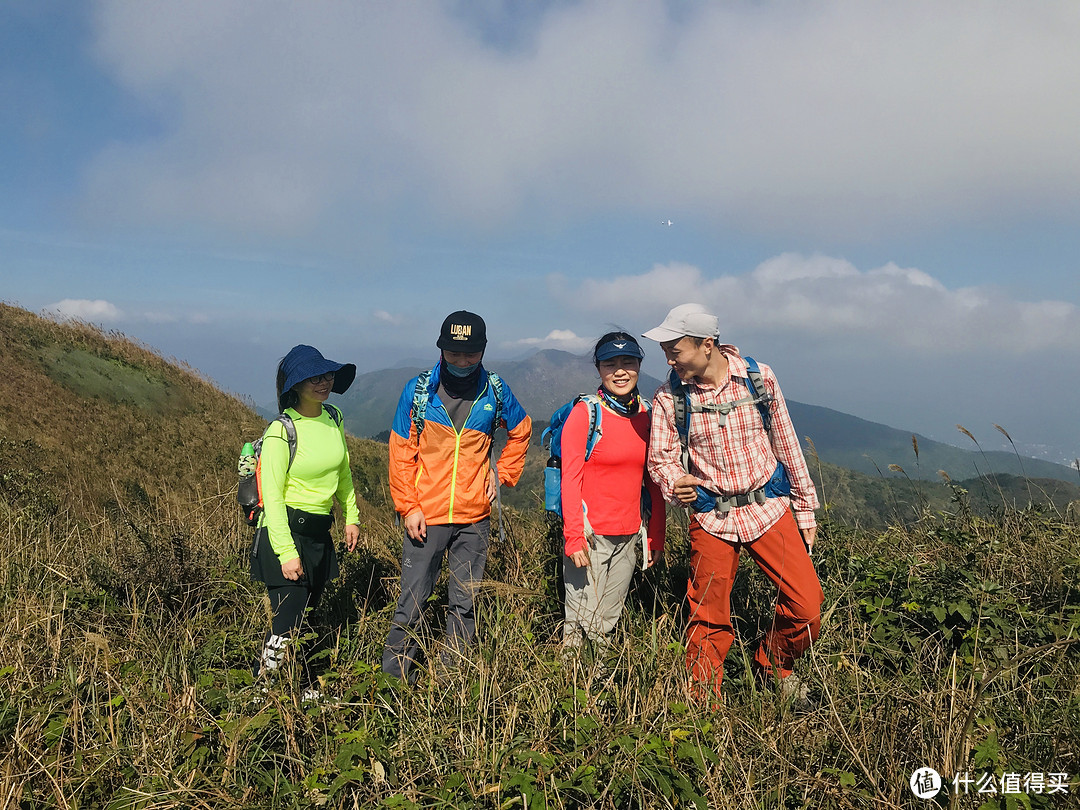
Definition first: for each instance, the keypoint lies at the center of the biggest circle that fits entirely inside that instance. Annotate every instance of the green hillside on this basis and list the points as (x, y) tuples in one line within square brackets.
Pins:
[(128, 624), (871, 448)]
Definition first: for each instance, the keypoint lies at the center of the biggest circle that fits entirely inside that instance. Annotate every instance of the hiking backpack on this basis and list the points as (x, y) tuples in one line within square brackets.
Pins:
[(249, 490), (552, 438), (421, 397), (779, 483)]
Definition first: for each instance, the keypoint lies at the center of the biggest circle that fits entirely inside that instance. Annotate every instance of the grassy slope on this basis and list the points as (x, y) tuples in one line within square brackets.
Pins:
[(128, 623)]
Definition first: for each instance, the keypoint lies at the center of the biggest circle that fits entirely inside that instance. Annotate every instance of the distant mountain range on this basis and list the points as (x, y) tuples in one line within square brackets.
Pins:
[(115, 426), (549, 378)]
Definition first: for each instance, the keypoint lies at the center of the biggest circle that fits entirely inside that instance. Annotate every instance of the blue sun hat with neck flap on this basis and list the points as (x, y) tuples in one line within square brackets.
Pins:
[(304, 362)]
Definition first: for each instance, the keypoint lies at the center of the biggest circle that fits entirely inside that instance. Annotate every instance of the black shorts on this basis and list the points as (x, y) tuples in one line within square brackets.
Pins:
[(311, 534)]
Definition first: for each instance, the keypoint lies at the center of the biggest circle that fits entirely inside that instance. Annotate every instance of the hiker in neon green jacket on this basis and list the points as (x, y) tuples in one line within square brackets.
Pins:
[(293, 552)]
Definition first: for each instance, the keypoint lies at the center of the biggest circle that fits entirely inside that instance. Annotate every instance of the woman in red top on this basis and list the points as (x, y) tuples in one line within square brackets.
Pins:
[(602, 538)]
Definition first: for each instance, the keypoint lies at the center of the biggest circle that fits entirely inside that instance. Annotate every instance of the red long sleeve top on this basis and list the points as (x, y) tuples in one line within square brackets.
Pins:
[(609, 483)]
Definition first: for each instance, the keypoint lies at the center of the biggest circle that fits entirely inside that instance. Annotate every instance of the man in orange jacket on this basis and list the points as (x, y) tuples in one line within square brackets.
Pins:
[(442, 483)]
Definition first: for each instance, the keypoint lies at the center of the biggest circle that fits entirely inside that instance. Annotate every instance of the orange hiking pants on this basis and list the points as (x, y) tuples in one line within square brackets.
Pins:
[(780, 553)]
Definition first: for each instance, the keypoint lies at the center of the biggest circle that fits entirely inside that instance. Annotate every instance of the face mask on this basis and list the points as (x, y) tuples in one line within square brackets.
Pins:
[(457, 371)]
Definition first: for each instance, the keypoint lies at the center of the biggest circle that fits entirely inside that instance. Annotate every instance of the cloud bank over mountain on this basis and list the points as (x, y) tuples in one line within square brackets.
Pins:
[(822, 295)]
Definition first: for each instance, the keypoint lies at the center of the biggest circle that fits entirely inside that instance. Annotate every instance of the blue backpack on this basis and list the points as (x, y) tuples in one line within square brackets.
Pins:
[(552, 438), (779, 483)]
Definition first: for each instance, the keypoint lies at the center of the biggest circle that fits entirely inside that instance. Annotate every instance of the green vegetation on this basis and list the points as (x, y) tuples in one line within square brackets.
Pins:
[(128, 623)]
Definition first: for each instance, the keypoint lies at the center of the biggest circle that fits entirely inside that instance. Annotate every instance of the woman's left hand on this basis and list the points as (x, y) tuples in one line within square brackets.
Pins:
[(580, 558), (655, 557), (352, 536)]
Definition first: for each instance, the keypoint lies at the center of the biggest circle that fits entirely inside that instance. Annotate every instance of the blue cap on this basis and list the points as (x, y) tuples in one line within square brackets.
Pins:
[(618, 348), (304, 362)]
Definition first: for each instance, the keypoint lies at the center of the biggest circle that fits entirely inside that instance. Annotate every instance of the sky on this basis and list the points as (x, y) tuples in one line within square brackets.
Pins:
[(880, 200)]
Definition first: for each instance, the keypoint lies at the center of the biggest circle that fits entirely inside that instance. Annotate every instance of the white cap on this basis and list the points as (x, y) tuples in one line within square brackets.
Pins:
[(691, 320)]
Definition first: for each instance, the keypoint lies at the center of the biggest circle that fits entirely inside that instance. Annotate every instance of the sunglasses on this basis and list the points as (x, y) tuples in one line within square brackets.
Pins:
[(327, 377)]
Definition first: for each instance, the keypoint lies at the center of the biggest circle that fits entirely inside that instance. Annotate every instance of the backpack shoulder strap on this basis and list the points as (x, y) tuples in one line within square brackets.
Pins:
[(334, 412), (596, 415), (290, 435), (421, 395), (496, 383), (755, 384), (680, 400)]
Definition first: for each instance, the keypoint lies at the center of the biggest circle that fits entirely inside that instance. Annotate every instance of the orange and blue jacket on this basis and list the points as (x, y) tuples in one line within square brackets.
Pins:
[(444, 473)]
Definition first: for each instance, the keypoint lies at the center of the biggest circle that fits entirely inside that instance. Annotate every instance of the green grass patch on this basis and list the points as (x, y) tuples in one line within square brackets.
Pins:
[(112, 380)]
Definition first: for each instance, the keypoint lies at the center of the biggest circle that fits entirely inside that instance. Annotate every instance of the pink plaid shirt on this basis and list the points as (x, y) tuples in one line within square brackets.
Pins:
[(737, 458)]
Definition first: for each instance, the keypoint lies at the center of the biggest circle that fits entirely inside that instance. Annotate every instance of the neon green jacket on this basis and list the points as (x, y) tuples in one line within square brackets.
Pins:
[(319, 474)]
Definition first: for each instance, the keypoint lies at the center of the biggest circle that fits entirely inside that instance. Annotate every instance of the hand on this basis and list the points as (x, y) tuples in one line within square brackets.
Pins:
[(352, 536), (292, 570), (580, 558), (808, 537), (493, 485), (655, 557), (686, 489), (416, 526)]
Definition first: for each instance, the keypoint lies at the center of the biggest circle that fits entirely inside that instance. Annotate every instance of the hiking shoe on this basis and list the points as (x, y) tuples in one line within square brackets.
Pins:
[(315, 695), (794, 692), (259, 692)]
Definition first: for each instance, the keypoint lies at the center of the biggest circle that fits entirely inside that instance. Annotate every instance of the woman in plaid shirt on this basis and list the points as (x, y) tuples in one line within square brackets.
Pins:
[(731, 458)]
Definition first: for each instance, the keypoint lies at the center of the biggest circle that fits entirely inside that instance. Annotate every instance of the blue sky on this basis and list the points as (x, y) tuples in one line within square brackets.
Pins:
[(879, 199)]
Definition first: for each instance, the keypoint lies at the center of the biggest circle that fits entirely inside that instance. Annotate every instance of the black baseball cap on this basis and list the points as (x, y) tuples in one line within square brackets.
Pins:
[(463, 332)]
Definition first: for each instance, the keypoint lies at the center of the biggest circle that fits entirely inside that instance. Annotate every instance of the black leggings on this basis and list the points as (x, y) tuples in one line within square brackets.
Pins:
[(290, 598), (287, 602)]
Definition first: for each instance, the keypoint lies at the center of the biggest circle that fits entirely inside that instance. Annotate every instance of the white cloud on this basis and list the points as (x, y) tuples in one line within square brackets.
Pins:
[(555, 339), (385, 317), (831, 298), (834, 118), (82, 309)]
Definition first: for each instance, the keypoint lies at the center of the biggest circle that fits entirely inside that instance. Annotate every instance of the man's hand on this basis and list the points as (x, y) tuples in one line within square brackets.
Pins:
[(655, 557), (292, 570), (685, 489), (493, 485), (808, 537), (580, 558), (352, 536), (416, 526)]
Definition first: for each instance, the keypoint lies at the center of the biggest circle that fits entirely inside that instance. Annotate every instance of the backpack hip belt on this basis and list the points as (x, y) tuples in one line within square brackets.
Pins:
[(725, 504)]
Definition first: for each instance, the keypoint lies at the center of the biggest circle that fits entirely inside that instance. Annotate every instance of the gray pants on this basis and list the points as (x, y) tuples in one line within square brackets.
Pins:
[(595, 594), (465, 546)]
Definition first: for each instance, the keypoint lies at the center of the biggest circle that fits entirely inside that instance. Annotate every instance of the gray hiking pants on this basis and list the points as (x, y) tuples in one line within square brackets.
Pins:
[(595, 594), (465, 546)]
